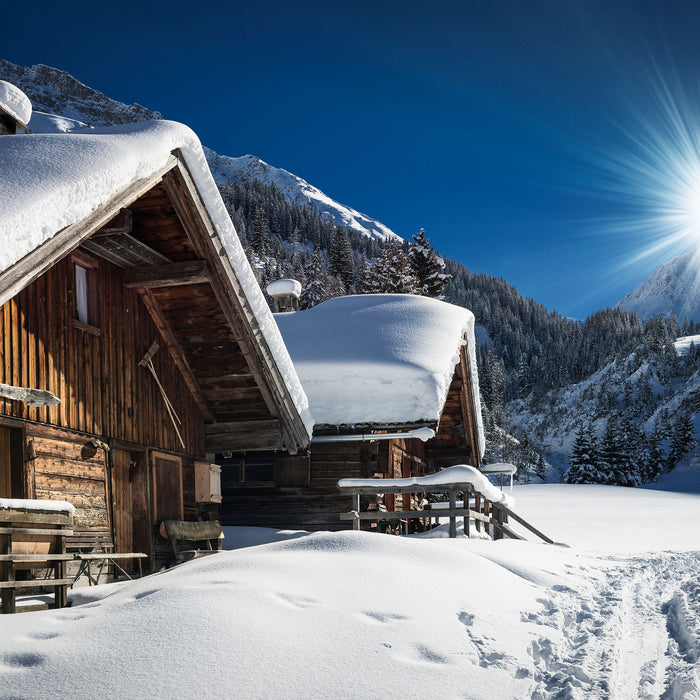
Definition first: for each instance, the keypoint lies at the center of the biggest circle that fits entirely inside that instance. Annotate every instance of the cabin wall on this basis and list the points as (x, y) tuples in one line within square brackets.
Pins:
[(105, 394), (314, 502)]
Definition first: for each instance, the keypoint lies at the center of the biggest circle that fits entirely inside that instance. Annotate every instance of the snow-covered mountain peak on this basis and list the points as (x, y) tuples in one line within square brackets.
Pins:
[(674, 288), (296, 190)]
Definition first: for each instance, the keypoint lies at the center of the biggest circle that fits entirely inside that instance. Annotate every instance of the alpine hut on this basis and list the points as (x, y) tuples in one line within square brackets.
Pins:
[(393, 388), (135, 342)]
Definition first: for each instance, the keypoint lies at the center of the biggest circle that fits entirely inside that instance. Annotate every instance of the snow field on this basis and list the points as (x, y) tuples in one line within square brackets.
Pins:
[(354, 614)]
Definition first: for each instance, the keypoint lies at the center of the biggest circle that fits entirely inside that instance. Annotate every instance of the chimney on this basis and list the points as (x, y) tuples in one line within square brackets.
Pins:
[(15, 109), (285, 295)]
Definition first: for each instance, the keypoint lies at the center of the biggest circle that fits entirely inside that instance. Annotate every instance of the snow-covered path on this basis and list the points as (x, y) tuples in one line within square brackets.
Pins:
[(631, 632)]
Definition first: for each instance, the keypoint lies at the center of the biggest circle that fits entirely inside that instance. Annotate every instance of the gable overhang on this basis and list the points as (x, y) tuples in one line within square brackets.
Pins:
[(283, 428)]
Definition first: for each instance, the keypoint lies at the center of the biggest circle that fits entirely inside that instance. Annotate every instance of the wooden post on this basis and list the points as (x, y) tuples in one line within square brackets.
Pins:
[(356, 508), (477, 508), (7, 573), (498, 517), (467, 514), (453, 518)]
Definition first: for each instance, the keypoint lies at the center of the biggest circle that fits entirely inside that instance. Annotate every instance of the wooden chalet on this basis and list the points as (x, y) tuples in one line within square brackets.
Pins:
[(125, 293), (382, 372)]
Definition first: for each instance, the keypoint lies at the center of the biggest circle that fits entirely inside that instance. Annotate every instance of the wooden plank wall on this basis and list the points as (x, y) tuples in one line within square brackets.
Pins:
[(316, 506), (103, 390)]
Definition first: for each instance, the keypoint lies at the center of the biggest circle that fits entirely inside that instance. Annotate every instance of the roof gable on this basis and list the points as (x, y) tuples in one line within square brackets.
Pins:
[(57, 190)]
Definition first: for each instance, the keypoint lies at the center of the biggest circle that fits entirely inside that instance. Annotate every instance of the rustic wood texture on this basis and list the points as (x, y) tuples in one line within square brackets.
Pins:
[(103, 390)]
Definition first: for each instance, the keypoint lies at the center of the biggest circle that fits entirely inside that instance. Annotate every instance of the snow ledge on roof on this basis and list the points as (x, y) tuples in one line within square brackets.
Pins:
[(15, 103)]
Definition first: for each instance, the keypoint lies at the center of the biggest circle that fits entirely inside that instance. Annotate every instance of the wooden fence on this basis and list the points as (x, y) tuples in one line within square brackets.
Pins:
[(489, 516)]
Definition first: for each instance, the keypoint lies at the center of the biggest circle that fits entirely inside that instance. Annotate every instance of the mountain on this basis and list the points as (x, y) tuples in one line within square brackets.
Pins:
[(296, 191), (56, 92), (672, 289)]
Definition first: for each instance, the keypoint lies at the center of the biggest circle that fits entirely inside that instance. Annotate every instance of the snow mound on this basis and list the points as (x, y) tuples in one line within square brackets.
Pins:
[(31, 504), (15, 103)]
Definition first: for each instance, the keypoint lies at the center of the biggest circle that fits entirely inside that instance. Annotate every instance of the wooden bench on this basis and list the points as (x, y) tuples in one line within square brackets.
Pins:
[(96, 547), (31, 540), (187, 537)]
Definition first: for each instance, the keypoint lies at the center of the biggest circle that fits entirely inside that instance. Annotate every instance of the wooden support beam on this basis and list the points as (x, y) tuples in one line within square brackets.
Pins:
[(241, 427), (243, 442), (123, 222), (173, 275), (173, 347)]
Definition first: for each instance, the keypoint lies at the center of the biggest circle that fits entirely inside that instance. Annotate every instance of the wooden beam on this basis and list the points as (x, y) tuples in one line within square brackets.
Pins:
[(173, 347), (468, 407), (172, 275), (123, 222), (238, 427), (243, 442), (33, 265)]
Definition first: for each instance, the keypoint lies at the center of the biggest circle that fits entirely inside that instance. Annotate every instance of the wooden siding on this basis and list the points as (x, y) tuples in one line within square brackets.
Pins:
[(96, 375), (316, 505)]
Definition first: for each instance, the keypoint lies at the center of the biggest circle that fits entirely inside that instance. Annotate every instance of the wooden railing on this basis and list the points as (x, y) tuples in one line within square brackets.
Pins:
[(488, 515)]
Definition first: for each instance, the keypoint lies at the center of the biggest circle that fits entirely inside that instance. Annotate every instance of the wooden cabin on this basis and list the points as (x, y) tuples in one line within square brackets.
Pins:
[(124, 291), (382, 373)]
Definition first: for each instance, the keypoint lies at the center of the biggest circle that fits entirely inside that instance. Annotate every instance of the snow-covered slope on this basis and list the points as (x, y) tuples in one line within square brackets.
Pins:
[(673, 288), (58, 93), (297, 191)]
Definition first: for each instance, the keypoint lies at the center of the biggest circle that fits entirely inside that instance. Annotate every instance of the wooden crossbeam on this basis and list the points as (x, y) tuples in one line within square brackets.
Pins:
[(172, 275)]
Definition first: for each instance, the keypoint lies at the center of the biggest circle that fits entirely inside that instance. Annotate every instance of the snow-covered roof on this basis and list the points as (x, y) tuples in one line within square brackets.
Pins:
[(15, 103), (380, 358), (284, 286), (50, 181)]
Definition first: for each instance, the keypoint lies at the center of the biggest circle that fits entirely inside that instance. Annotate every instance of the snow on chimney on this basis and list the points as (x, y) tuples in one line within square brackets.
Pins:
[(285, 295), (15, 109)]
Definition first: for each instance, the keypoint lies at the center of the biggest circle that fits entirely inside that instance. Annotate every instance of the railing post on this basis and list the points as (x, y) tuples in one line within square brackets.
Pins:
[(477, 508), (356, 508), (453, 517), (498, 517), (467, 514)]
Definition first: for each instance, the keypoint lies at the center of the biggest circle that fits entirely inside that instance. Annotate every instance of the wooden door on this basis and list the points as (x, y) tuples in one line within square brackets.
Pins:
[(167, 487), (132, 526), (5, 464), (11, 464)]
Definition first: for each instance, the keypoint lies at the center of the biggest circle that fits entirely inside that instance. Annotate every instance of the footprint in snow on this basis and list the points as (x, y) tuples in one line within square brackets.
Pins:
[(23, 660), (297, 601), (383, 617)]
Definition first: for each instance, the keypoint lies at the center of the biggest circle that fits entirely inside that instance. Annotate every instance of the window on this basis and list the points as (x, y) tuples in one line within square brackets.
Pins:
[(86, 292), (255, 468)]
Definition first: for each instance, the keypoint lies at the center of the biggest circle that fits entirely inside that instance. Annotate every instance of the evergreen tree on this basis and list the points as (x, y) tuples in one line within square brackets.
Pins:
[(314, 292), (682, 438), (584, 467), (260, 236), (340, 256), (427, 266), (391, 273)]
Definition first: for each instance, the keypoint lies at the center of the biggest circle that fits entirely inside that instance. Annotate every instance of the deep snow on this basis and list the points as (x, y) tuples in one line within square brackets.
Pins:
[(354, 614)]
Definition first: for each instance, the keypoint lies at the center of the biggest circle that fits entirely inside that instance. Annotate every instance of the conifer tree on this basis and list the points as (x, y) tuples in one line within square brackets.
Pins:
[(427, 266), (584, 467), (682, 438), (260, 236), (314, 292), (391, 273), (340, 256)]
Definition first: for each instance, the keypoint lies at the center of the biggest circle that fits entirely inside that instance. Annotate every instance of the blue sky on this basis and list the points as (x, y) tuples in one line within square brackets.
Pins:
[(528, 138)]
